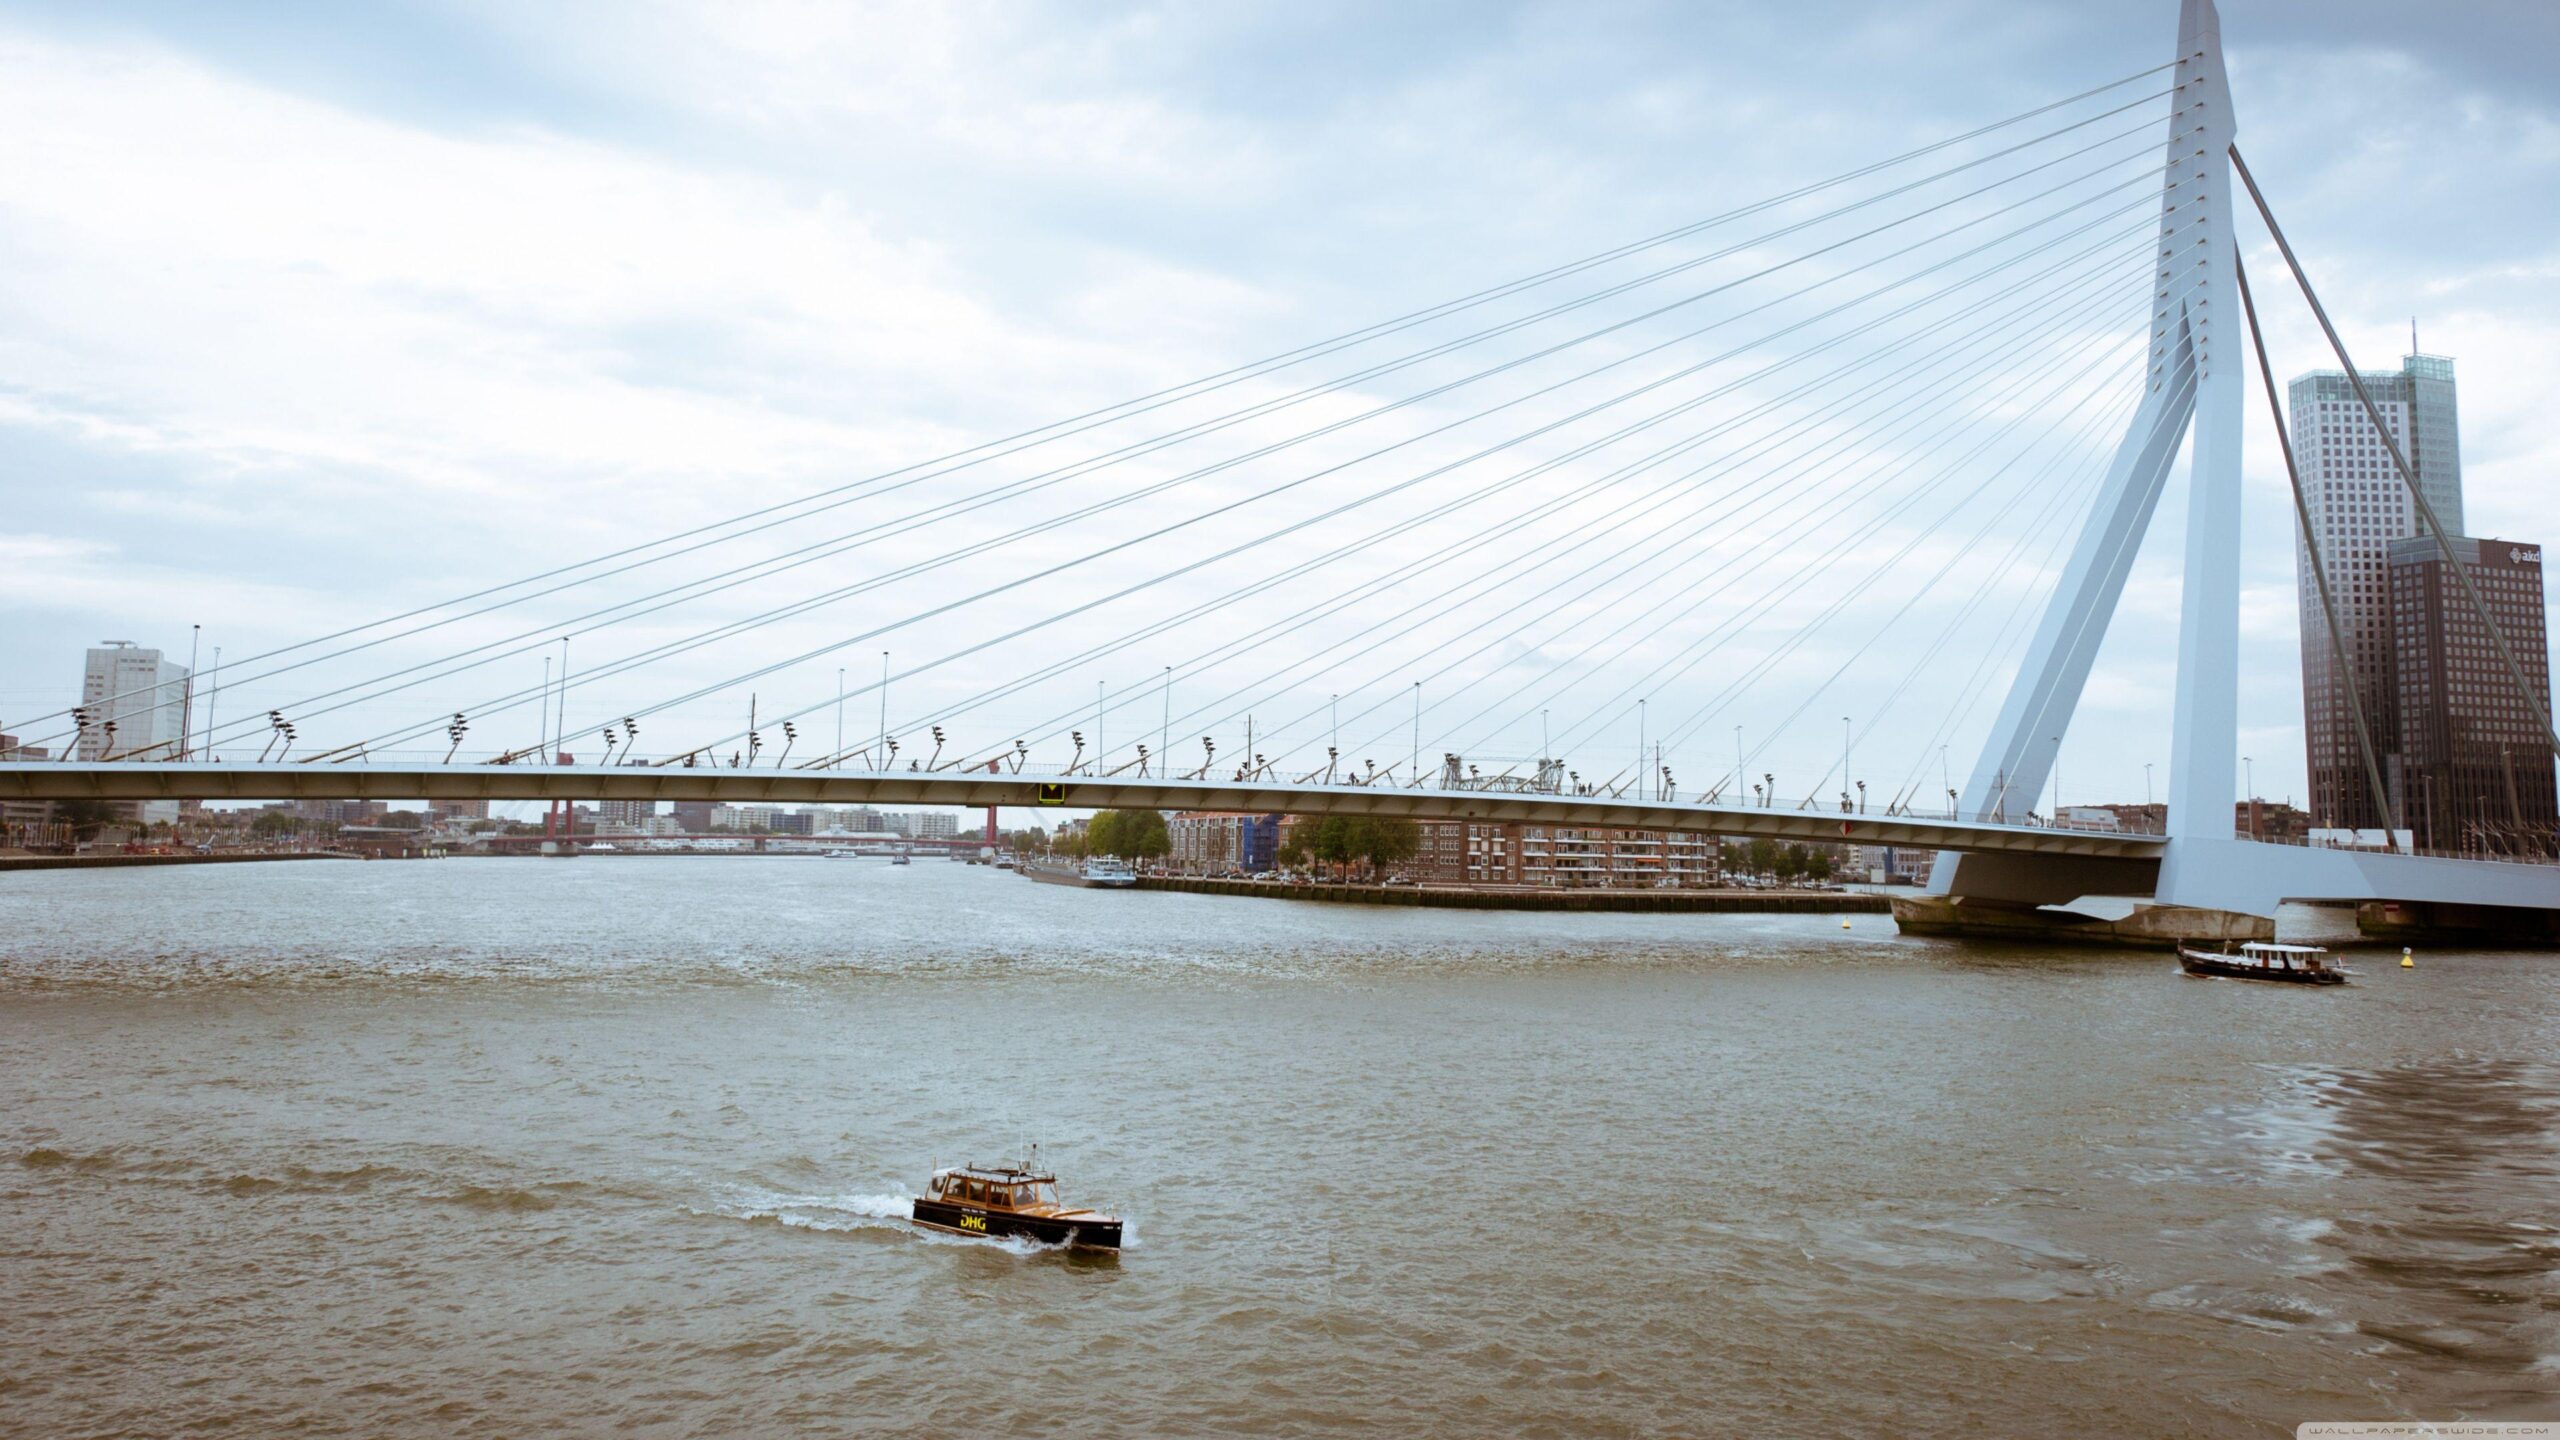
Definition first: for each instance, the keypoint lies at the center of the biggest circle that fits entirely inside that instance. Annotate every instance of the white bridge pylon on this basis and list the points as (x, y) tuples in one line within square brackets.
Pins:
[(2191, 384)]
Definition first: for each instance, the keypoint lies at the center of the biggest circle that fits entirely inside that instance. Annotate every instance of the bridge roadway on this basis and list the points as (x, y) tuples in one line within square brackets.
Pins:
[(2038, 865), (184, 780)]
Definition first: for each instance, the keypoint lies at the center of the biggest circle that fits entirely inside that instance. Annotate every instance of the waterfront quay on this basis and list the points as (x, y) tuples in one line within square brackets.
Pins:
[(1651, 902)]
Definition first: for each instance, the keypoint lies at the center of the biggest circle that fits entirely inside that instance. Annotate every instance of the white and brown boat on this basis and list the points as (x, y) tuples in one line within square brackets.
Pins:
[(2264, 960), (999, 1200)]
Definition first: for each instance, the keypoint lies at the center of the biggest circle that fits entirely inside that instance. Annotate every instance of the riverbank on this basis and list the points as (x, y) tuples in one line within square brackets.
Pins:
[(118, 862), (1660, 902)]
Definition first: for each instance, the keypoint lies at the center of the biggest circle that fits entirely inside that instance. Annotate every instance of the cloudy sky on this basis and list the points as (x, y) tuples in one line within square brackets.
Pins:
[(311, 315)]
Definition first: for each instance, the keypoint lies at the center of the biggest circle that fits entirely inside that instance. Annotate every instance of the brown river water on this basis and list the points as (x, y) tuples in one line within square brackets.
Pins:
[(620, 1147)]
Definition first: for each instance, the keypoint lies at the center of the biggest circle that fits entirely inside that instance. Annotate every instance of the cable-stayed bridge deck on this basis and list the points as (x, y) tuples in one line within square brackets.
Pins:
[(119, 780), (2105, 862)]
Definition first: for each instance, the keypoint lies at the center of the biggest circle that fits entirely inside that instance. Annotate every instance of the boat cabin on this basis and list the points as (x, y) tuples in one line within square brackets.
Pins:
[(997, 1187), (2271, 956)]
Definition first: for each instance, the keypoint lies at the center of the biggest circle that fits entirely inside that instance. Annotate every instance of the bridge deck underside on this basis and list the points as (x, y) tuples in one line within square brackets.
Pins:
[(127, 781), (2040, 865)]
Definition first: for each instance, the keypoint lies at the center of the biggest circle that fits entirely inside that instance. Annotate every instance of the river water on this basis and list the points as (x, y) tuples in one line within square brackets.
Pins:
[(620, 1147)]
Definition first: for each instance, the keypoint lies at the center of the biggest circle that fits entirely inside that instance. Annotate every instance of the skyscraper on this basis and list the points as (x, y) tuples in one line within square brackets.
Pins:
[(2358, 506), (135, 704), (632, 813), (2474, 771)]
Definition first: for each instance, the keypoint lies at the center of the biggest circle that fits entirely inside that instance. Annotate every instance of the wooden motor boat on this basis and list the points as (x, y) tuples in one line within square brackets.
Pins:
[(999, 1200), (2264, 960)]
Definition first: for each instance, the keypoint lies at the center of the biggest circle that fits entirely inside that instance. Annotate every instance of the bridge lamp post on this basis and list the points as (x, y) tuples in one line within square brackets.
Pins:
[(1772, 799), (561, 728), (1640, 736)]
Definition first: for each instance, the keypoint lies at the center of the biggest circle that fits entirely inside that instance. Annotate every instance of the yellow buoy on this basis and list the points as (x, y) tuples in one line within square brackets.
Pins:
[(2405, 962), (1844, 924)]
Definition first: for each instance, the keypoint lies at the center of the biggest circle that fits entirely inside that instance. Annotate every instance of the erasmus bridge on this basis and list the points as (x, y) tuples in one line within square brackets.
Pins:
[(1900, 430)]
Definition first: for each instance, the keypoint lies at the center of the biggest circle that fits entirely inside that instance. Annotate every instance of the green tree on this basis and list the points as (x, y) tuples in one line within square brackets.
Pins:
[(1129, 834), (1764, 857), (274, 822), (1818, 865), (1790, 862), (1383, 842), (83, 816), (1327, 841)]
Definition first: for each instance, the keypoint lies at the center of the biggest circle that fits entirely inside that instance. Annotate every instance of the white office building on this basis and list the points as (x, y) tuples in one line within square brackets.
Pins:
[(134, 704), (2358, 506)]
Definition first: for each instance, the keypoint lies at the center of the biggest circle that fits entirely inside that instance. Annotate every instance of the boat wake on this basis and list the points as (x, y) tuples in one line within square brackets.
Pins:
[(849, 1213)]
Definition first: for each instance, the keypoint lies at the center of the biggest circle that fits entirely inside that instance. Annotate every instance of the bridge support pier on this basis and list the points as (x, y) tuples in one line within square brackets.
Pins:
[(2149, 927), (2435, 922)]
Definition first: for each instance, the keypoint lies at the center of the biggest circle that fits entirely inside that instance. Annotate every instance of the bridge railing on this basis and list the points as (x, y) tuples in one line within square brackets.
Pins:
[(1014, 766)]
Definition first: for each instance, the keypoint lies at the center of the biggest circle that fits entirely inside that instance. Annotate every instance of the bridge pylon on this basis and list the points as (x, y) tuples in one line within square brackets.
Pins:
[(2205, 881)]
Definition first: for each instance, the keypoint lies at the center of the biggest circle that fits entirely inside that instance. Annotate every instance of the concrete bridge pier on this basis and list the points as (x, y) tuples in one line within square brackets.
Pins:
[(2436, 922), (2027, 899), (2149, 927)]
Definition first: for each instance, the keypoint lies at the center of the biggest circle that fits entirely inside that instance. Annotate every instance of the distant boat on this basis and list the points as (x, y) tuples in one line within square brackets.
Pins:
[(2262, 960), (840, 853), (898, 859), (1109, 871)]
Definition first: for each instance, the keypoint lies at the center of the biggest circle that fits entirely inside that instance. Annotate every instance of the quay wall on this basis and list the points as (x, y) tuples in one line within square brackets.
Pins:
[(1754, 902), (110, 862)]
